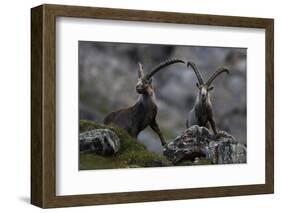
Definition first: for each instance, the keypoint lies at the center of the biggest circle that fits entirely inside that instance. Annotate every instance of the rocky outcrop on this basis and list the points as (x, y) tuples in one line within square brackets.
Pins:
[(199, 143), (130, 153), (99, 141)]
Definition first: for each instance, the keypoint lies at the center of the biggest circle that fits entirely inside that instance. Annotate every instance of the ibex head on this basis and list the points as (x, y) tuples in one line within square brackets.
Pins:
[(144, 83), (205, 87)]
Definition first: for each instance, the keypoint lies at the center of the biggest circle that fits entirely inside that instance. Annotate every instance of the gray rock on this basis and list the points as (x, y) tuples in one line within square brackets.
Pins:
[(198, 142), (99, 141)]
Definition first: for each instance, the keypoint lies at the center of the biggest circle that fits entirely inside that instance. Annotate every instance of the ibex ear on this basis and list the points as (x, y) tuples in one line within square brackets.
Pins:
[(150, 81), (198, 86), (210, 88), (140, 70)]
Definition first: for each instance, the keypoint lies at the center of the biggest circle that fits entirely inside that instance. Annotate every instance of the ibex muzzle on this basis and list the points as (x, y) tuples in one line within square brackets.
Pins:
[(143, 113), (202, 111)]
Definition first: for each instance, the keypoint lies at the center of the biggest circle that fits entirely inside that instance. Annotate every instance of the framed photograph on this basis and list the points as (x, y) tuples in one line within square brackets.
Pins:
[(136, 106)]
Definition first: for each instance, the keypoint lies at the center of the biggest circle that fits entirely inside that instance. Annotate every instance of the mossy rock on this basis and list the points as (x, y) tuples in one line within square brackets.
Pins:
[(132, 154)]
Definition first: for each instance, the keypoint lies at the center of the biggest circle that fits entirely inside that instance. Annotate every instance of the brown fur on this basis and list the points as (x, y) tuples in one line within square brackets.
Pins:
[(143, 113)]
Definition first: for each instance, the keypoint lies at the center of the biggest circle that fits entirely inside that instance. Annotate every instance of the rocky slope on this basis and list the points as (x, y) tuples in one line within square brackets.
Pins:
[(108, 147)]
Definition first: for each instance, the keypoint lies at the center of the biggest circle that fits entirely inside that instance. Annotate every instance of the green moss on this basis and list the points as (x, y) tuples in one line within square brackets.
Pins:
[(131, 155), (93, 161)]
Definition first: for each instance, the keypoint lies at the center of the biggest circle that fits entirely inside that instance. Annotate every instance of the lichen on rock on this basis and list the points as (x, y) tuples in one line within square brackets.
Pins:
[(198, 142), (99, 141)]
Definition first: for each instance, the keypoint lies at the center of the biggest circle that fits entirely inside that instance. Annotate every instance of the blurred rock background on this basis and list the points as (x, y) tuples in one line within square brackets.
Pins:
[(108, 74)]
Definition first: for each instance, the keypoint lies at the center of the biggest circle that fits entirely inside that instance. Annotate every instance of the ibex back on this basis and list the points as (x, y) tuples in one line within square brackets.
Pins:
[(143, 113)]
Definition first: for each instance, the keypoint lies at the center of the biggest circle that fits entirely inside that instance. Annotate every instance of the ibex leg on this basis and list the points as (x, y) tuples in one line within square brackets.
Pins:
[(213, 125), (156, 129)]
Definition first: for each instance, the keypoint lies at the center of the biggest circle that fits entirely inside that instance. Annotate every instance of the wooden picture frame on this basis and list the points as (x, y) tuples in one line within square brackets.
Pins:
[(43, 105)]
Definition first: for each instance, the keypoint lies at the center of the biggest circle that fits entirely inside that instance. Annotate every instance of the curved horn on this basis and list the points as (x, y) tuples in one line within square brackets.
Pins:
[(196, 71), (140, 70), (162, 65), (218, 72)]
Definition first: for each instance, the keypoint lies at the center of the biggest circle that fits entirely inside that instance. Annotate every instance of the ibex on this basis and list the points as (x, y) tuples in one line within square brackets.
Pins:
[(202, 112), (143, 113)]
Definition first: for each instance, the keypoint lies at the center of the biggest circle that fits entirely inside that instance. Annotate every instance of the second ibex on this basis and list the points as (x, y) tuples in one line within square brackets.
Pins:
[(202, 111), (143, 113)]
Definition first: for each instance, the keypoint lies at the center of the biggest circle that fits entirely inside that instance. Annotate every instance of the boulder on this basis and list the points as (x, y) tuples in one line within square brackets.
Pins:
[(199, 143), (99, 141)]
